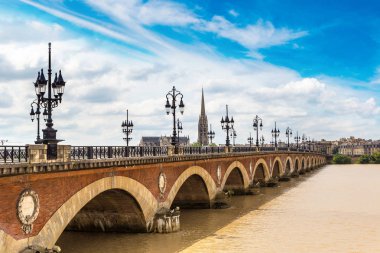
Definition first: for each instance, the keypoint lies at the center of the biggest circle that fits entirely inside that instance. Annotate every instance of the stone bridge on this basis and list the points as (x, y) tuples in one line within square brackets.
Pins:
[(40, 200)]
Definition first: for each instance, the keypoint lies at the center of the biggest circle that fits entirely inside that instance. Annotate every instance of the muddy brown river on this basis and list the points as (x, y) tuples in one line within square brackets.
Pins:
[(334, 209)]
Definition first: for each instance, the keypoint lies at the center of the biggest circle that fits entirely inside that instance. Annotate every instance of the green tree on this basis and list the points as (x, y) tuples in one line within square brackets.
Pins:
[(341, 159), (376, 157), (196, 144), (365, 159)]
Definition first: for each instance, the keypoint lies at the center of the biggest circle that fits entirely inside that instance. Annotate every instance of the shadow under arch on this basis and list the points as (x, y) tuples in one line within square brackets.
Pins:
[(261, 172), (182, 192), (51, 231), (235, 177), (303, 167), (288, 165), (278, 168), (297, 165)]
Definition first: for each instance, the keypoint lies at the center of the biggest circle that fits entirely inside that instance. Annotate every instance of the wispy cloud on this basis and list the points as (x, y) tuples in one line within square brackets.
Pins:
[(102, 83)]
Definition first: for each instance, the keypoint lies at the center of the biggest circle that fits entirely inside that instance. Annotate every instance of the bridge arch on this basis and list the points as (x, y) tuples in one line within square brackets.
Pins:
[(261, 171), (289, 167), (303, 164), (194, 173), (297, 165), (50, 233), (233, 171), (277, 169)]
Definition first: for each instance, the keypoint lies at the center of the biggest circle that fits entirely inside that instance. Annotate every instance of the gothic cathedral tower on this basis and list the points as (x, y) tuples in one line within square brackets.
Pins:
[(203, 125)]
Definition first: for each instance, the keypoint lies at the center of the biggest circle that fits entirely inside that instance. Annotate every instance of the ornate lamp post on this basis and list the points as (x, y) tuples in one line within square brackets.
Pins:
[(171, 107), (304, 139), (127, 128), (250, 140), (3, 141), (179, 129), (275, 134), (262, 140), (297, 138), (288, 134), (227, 125), (257, 122), (55, 92), (36, 115), (211, 134), (233, 135)]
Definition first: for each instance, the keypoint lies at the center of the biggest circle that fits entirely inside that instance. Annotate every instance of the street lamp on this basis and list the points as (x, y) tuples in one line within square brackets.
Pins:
[(55, 89), (3, 141), (171, 107), (250, 140), (257, 122), (275, 134), (233, 135), (179, 129), (288, 134), (304, 139), (127, 128), (227, 124), (262, 140), (297, 138), (211, 134)]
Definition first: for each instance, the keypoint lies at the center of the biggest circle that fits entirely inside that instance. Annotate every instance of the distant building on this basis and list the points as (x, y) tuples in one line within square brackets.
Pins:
[(357, 147), (159, 141), (203, 124)]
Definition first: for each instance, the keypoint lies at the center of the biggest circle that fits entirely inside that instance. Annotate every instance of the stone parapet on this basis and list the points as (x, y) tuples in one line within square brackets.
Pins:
[(65, 163)]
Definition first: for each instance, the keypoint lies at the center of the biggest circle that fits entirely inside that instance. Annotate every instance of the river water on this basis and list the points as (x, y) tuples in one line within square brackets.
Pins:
[(335, 209)]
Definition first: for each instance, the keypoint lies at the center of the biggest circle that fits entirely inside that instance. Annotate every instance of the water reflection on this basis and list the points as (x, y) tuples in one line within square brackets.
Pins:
[(195, 225)]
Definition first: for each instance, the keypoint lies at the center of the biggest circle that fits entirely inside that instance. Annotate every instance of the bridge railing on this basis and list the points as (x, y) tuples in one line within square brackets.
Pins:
[(202, 150), (13, 154), (243, 149), (101, 152), (19, 154)]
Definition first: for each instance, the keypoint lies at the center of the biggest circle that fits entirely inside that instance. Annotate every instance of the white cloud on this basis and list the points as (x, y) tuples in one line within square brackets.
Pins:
[(95, 73), (233, 13), (260, 35)]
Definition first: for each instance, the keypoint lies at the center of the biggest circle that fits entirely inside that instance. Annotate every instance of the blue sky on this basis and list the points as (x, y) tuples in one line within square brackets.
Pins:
[(312, 65)]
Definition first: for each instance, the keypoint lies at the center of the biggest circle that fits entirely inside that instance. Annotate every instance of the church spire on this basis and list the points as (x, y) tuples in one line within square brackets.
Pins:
[(203, 111), (203, 124)]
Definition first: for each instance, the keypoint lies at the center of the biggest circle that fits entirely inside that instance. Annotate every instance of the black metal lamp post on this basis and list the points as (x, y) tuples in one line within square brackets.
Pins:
[(211, 134), (179, 130), (262, 140), (288, 134), (309, 143), (233, 135), (36, 115), (3, 141), (127, 128), (55, 92), (171, 107), (297, 138), (257, 122), (250, 140), (304, 139), (275, 134), (227, 125)]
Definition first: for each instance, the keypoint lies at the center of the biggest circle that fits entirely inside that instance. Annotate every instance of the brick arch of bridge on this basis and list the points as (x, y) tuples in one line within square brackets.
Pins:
[(264, 164), (243, 171), (303, 164), (281, 169), (54, 227), (307, 163), (291, 165), (297, 164), (189, 172)]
